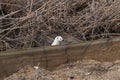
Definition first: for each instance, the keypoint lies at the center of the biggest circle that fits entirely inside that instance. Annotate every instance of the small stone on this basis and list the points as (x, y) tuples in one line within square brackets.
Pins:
[(72, 77)]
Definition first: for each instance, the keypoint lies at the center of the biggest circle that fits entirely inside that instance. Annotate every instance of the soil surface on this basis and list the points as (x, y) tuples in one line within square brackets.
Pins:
[(79, 70)]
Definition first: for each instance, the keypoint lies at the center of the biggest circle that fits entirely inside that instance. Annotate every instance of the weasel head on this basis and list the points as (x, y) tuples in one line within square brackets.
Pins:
[(57, 40)]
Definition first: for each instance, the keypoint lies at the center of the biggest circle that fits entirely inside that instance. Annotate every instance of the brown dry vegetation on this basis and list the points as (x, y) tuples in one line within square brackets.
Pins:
[(34, 23)]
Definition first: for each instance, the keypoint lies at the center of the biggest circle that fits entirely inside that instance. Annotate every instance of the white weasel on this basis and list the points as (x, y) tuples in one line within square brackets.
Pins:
[(57, 41), (36, 67)]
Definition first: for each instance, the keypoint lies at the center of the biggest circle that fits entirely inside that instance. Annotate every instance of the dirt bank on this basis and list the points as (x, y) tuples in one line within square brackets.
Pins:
[(80, 70)]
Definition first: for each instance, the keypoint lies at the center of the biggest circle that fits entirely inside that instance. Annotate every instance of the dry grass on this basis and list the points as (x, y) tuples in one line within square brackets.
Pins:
[(33, 23)]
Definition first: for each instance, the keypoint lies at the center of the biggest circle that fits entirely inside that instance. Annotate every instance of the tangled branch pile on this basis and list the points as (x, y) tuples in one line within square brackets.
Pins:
[(33, 23)]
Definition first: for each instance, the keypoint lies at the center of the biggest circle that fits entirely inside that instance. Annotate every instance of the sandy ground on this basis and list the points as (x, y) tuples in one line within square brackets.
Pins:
[(79, 70)]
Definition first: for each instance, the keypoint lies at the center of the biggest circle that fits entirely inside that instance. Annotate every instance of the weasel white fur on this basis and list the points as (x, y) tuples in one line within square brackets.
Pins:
[(57, 41)]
